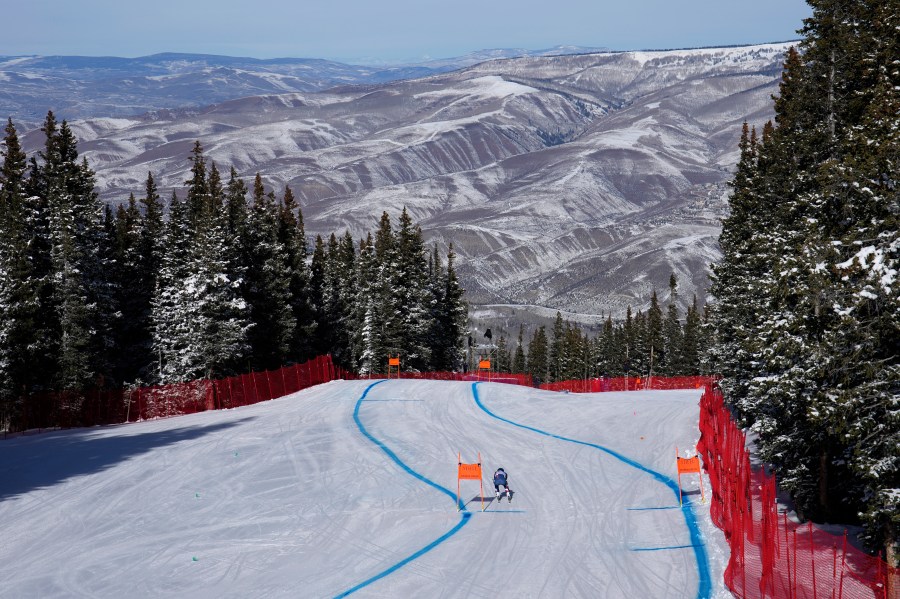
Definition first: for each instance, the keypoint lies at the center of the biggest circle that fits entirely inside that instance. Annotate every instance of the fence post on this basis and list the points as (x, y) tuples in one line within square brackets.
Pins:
[(833, 568), (796, 559), (787, 551), (812, 558)]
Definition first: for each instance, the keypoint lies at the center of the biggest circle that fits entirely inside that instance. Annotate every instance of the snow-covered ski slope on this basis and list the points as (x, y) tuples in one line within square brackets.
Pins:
[(350, 488)]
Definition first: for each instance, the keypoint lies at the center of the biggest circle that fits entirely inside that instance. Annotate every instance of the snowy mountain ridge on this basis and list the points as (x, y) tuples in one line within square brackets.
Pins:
[(575, 182), (79, 87)]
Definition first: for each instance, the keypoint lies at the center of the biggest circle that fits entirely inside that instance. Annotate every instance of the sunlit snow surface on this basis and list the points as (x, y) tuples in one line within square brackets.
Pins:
[(323, 492)]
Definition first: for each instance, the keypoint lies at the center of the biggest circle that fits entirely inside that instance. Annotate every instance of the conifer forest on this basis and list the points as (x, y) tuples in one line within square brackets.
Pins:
[(806, 323), (227, 283)]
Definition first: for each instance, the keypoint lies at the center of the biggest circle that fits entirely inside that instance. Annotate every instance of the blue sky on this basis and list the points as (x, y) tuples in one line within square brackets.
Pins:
[(385, 30)]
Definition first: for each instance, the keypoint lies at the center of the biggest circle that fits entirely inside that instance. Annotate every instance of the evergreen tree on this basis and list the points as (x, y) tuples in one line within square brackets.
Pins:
[(452, 314), (556, 355), (502, 359), (317, 296), (132, 296), (19, 302), (690, 341), (171, 312), (655, 336), (538, 358), (368, 335), (292, 236), (150, 248), (75, 295), (671, 362), (518, 362), (268, 283), (413, 294), (222, 318), (806, 314)]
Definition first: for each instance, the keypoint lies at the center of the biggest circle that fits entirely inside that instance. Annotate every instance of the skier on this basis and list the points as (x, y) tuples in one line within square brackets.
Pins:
[(501, 479)]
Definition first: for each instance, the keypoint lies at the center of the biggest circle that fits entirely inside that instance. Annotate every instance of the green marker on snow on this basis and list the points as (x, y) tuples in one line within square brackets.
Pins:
[(194, 559)]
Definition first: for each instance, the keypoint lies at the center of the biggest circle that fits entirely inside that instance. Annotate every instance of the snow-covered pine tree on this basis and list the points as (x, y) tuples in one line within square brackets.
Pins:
[(690, 341), (452, 313), (387, 309), (501, 355), (292, 235), (852, 53), (317, 268), (610, 354), (436, 275), (655, 336), (133, 292), (367, 335), (268, 283), (556, 353), (339, 291), (810, 349), (19, 303), (223, 319), (730, 278), (411, 285), (671, 361), (518, 362), (630, 336), (79, 291), (173, 316), (538, 363), (151, 231)]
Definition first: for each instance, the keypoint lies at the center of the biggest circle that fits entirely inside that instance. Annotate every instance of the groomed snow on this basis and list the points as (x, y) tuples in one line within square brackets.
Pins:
[(350, 487)]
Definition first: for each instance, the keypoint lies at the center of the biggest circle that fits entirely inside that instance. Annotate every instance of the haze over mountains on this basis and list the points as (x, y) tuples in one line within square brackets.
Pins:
[(573, 182), (81, 87)]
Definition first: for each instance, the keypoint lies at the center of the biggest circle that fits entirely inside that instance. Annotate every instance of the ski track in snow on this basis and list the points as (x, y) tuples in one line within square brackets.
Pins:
[(343, 489)]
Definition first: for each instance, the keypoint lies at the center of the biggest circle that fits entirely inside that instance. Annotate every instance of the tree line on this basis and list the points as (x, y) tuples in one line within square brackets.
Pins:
[(806, 321), (657, 343), (96, 297)]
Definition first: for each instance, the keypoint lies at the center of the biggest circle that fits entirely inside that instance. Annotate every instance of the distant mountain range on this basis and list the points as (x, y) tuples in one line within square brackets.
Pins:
[(576, 182), (78, 87)]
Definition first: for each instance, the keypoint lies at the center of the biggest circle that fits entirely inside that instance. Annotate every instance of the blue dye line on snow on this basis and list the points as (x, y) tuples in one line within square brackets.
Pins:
[(661, 548), (372, 400), (705, 587), (644, 509), (464, 516)]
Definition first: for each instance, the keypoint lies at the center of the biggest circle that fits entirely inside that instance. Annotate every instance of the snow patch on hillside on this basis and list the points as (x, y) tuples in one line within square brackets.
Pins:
[(762, 53), (490, 86)]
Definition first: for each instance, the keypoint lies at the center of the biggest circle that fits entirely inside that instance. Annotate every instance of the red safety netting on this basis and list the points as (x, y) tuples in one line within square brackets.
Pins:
[(68, 409), (487, 377), (771, 555), (622, 383)]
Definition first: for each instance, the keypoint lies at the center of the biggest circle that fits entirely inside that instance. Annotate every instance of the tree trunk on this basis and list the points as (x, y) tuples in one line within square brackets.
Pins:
[(824, 504)]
